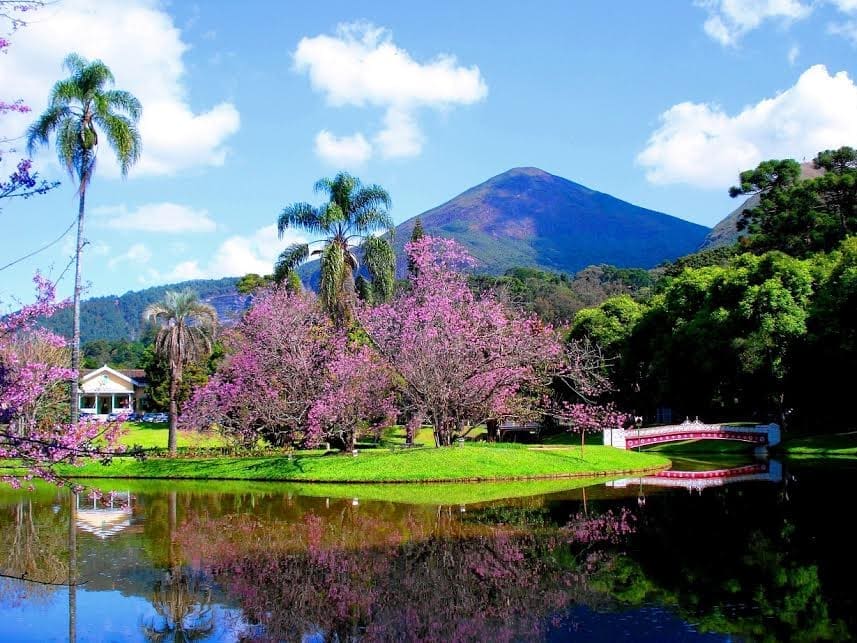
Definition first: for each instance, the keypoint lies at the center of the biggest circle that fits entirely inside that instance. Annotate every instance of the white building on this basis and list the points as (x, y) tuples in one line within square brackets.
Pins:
[(105, 390)]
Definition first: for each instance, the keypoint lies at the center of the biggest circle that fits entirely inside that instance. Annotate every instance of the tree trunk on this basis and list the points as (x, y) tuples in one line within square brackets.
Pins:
[(172, 505), (75, 341), (493, 426), (175, 379), (582, 441), (72, 567)]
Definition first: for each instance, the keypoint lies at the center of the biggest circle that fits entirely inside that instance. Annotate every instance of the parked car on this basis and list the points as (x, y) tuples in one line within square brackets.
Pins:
[(149, 417), (119, 416), (161, 417)]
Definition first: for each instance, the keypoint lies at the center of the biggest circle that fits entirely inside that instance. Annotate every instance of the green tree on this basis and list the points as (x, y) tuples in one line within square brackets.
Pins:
[(350, 216), (194, 375), (116, 353), (187, 329), (610, 324), (79, 108), (250, 283), (416, 234), (800, 214), (720, 340), (825, 366)]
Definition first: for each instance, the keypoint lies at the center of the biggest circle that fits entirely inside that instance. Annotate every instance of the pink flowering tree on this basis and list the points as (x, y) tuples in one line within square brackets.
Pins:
[(23, 182), (30, 431), (460, 359), (582, 388), (292, 378), (357, 396)]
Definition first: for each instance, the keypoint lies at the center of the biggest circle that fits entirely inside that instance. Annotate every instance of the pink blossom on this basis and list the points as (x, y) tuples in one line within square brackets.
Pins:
[(28, 432), (459, 358)]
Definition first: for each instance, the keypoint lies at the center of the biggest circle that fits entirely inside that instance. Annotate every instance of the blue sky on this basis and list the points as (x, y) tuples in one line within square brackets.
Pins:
[(657, 103)]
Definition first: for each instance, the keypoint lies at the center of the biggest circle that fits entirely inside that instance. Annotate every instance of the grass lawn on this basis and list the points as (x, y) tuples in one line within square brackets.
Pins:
[(700, 447), (154, 436), (425, 464), (434, 493), (821, 446)]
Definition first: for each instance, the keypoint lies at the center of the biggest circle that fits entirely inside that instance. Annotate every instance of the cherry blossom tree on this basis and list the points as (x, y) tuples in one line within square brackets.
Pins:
[(356, 398), (460, 359), (30, 433), (579, 402), (23, 182), (293, 378)]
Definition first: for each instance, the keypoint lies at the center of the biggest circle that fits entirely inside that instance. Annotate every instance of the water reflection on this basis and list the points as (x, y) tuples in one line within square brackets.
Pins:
[(245, 562), (697, 480)]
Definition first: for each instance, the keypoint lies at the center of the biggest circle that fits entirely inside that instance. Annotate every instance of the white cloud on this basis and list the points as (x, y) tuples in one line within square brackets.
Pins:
[(138, 40), (186, 270), (401, 136), (137, 254), (700, 144), (361, 66), (155, 217), (239, 255), (794, 52), (846, 6), (847, 30), (342, 151), (729, 20)]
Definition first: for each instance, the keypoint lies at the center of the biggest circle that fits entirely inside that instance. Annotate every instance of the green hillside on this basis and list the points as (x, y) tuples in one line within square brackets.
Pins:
[(121, 317)]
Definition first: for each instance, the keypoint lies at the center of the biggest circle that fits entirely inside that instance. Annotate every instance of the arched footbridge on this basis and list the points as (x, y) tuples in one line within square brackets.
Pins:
[(762, 435)]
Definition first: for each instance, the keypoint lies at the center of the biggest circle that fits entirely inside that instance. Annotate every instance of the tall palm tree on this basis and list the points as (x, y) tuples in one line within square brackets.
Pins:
[(80, 107), (186, 334), (348, 219)]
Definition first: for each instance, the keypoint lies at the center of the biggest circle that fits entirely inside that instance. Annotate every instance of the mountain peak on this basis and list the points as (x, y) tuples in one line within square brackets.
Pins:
[(529, 217), (526, 171)]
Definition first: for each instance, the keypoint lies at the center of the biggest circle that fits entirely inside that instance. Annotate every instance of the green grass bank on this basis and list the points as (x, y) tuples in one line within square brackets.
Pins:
[(830, 445), (471, 462)]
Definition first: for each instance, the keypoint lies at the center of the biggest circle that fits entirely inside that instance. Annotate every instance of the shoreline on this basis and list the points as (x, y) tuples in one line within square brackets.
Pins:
[(426, 481), (466, 465)]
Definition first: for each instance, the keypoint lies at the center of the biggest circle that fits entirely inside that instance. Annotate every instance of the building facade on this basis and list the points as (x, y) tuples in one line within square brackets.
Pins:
[(104, 390)]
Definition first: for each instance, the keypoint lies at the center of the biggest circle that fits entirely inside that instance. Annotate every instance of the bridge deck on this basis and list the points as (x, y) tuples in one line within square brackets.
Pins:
[(761, 435)]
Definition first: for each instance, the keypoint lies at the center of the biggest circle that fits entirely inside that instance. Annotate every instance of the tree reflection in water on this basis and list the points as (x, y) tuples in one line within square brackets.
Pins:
[(357, 576), (743, 561), (182, 603), (32, 546)]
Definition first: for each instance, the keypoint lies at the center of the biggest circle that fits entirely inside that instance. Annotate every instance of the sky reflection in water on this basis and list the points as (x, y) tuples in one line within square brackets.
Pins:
[(218, 561)]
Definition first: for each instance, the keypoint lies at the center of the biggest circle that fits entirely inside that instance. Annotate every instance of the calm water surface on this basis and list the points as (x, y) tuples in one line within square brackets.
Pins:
[(765, 554)]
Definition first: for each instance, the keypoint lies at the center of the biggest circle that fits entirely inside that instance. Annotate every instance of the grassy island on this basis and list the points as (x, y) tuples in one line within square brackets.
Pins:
[(471, 462)]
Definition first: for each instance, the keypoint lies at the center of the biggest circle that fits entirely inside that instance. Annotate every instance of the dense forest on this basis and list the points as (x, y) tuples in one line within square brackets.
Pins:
[(763, 330), (121, 317)]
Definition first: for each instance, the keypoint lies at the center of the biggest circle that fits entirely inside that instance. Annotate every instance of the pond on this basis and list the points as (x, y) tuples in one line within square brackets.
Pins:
[(760, 552)]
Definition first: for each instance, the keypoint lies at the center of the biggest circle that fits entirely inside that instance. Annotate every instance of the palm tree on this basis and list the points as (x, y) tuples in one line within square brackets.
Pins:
[(187, 328), (353, 212), (80, 107)]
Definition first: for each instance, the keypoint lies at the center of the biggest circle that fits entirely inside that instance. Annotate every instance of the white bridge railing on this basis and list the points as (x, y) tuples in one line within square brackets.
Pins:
[(689, 430)]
